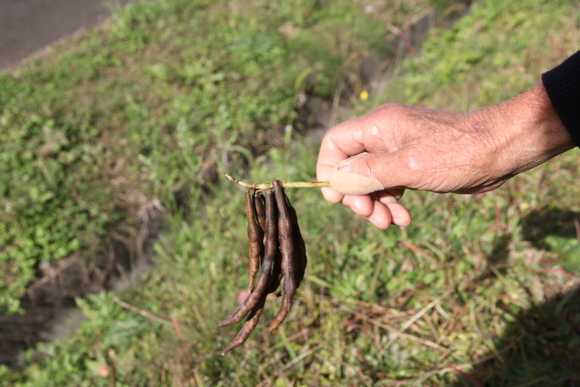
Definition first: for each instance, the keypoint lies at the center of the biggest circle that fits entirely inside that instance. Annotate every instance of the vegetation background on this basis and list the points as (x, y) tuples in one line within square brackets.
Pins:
[(110, 147)]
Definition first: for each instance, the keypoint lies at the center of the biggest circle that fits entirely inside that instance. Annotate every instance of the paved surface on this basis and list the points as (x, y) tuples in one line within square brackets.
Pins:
[(27, 26)]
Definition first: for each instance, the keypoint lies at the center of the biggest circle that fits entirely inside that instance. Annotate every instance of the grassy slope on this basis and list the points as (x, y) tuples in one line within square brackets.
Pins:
[(489, 267), (135, 111)]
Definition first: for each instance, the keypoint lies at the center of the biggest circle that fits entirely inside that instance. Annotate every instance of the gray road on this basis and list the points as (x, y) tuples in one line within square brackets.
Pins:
[(27, 26)]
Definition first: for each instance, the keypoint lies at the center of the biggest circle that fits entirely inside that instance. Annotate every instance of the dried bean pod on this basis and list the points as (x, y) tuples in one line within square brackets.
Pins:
[(256, 240), (265, 275), (288, 249), (276, 274), (301, 257), (248, 327), (260, 209), (256, 312)]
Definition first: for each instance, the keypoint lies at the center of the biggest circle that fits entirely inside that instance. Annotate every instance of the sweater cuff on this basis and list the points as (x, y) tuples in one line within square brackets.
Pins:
[(562, 84)]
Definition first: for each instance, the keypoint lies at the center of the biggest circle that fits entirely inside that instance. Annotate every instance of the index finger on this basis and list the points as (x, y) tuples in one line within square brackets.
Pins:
[(341, 142)]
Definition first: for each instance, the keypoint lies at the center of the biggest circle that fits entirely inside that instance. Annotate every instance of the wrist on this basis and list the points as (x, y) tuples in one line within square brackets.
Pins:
[(562, 84), (527, 131)]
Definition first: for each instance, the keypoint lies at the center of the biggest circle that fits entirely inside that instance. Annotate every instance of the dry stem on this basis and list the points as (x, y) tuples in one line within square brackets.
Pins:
[(285, 184)]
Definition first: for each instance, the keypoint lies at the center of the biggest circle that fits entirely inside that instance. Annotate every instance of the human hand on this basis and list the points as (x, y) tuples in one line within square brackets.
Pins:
[(398, 146)]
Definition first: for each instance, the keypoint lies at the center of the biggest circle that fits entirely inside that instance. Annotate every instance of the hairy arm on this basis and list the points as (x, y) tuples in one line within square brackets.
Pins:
[(399, 146)]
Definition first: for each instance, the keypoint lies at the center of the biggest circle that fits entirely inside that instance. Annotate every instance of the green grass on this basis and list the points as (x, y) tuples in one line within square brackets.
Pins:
[(480, 290), (149, 103)]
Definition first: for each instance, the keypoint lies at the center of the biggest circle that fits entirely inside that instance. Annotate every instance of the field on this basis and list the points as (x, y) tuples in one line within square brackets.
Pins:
[(118, 135)]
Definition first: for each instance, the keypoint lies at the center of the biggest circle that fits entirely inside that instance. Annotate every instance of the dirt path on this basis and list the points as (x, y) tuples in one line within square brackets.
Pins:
[(27, 26)]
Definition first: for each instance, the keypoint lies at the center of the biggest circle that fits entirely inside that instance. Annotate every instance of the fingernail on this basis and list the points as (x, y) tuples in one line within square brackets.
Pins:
[(344, 166), (397, 220)]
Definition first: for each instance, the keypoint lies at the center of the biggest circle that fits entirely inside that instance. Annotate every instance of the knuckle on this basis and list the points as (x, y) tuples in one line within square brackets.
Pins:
[(412, 164), (390, 108)]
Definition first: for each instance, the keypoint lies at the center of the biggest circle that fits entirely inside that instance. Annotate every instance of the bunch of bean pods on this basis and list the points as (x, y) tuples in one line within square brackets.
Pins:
[(277, 252)]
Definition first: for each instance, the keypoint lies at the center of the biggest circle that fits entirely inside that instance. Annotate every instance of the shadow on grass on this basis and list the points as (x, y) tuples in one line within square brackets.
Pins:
[(545, 222), (542, 346), (496, 258)]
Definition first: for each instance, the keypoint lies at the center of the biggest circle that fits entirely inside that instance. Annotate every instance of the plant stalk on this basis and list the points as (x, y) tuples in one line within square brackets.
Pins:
[(285, 184)]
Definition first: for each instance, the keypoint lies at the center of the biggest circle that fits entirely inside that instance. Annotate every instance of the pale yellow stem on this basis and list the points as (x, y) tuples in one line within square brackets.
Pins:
[(285, 184)]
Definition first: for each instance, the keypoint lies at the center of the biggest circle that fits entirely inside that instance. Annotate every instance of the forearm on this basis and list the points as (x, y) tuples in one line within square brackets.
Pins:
[(527, 131), (463, 152)]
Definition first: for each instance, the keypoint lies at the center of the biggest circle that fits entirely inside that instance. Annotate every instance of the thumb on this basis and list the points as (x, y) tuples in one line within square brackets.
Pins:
[(363, 174)]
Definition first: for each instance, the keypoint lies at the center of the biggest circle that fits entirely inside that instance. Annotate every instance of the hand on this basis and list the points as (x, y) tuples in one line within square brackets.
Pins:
[(398, 146)]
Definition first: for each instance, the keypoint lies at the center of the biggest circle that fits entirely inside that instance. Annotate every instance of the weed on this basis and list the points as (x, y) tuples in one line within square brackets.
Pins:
[(479, 288)]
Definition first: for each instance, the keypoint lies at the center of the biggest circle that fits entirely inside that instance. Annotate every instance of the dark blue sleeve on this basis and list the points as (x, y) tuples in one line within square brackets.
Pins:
[(563, 86)]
